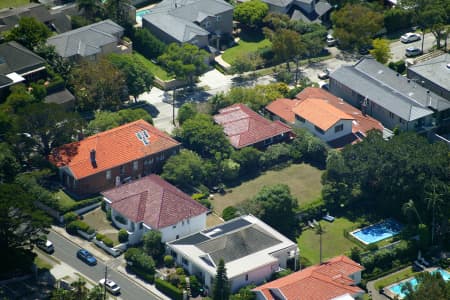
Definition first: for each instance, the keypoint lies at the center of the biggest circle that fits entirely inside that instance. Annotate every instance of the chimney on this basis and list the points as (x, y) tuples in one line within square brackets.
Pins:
[(93, 160)]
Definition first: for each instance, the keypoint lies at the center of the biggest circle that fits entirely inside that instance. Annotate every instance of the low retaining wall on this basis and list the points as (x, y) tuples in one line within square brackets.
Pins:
[(85, 235), (85, 209), (170, 84), (115, 251)]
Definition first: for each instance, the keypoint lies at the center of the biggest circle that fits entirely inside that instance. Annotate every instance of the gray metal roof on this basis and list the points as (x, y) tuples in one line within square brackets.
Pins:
[(16, 58), (176, 17), (11, 16), (381, 85), (86, 40), (435, 70), (279, 3)]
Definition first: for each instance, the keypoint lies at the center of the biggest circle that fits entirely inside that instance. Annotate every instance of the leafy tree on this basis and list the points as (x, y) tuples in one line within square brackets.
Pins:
[(29, 33), (9, 165), (221, 288), (355, 25), (18, 98), (276, 206), (430, 286), (230, 212), (381, 50), (147, 44), (20, 221), (185, 112), (185, 61), (137, 77), (80, 290), (397, 18), (47, 125), (251, 13), (118, 12), (202, 135), (287, 44), (244, 293), (219, 101), (105, 120), (56, 62), (184, 169), (97, 85), (96, 293), (248, 158), (89, 8), (140, 260), (152, 243), (229, 169), (246, 62)]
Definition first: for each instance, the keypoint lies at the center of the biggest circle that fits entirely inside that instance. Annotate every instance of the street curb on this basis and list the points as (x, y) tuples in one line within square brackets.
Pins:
[(125, 273)]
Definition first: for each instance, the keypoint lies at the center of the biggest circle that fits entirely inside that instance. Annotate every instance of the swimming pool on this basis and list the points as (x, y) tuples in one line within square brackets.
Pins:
[(140, 14), (377, 232), (397, 288)]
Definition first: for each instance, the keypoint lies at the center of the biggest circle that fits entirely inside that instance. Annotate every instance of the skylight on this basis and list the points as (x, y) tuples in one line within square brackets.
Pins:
[(143, 136)]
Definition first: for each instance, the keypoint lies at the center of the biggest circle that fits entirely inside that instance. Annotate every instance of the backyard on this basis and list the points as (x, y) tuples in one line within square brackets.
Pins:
[(333, 241), (67, 203), (395, 277), (97, 219), (249, 42), (302, 179)]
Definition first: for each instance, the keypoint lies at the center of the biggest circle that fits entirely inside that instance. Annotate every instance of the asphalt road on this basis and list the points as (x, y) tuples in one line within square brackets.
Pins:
[(398, 48), (66, 251)]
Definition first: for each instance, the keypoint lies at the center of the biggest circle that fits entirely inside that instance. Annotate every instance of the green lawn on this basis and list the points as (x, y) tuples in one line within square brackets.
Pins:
[(333, 241), (65, 202), (249, 42), (154, 69), (396, 277), (303, 180), (13, 3)]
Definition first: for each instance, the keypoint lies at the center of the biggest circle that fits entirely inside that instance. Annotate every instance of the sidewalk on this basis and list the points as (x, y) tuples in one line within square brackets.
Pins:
[(143, 284)]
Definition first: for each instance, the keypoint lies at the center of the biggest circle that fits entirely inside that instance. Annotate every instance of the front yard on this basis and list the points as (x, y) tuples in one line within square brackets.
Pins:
[(249, 42), (302, 179), (65, 202), (333, 241), (153, 68), (97, 219)]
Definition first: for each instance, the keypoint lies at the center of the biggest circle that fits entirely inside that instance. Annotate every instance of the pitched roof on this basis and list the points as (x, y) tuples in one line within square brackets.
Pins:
[(386, 88), (9, 17), (113, 148), (319, 282), (86, 40), (361, 123), (320, 113), (16, 58), (436, 70), (283, 108), (153, 201), (245, 127)]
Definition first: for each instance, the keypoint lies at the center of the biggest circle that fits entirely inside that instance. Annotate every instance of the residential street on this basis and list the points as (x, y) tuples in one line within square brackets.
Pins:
[(398, 48), (65, 251)]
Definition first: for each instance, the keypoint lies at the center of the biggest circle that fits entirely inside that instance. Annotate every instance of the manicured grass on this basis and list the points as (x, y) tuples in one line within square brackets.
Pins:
[(249, 42), (65, 202), (333, 241), (13, 3), (154, 69), (396, 277), (303, 180)]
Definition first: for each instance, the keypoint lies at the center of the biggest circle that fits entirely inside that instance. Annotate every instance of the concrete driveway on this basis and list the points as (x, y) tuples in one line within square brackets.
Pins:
[(162, 101)]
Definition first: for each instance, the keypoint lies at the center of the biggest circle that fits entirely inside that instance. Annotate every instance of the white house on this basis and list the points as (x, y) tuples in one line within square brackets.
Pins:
[(252, 252), (151, 203)]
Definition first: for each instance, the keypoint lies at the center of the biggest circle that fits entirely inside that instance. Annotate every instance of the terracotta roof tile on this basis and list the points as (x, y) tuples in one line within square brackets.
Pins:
[(113, 148), (319, 282), (245, 127), (283, 108), (153, 201)]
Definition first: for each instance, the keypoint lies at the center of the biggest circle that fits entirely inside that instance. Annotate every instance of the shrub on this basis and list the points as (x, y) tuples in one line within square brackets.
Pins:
[(147, 44), (70, 216), (168, 289), (138, 259), (179, 271), (229, 213), (106, 240), (206, 203), (108, 214), (73, 226), (199, 196), (168, 261), (123, 236), (103, 206)]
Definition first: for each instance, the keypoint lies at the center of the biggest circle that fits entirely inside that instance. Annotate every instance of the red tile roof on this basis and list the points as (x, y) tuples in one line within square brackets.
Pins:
[(153, 201), (113, 148), (283, 108), (245, 127), (362, 123), (319, 282)]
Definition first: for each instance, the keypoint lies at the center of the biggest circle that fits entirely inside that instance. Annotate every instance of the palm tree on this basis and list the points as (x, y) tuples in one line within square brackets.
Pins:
[(409, 208), (96, 293), (434, 202), (80, 291), (320, 231)]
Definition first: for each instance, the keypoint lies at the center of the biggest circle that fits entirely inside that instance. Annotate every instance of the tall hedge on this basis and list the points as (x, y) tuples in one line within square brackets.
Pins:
[(147, 44), (168, 289)]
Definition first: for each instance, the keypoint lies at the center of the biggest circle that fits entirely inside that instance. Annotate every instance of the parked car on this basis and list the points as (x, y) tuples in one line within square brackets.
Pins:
[(365, 49), (413, 51), (331, 41), (45, 245), (324, 74), (87, 257), (410, 37), (110, 286)]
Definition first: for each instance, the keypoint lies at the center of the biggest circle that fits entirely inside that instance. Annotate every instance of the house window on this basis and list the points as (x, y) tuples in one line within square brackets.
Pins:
[(122, 169), (182, 222), (174, 226), (135, 165), (108, 174), (162, 157), (218, 18), (140, 225), (177, 236), (338, 128), (246, 277), (208, 24), (319, 130), (391, 115), (268, 141), (300, 119), (184, 261)]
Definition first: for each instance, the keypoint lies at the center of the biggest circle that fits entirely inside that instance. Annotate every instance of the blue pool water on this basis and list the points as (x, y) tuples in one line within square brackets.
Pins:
[(140, 14), (377, 232), (397, 289)]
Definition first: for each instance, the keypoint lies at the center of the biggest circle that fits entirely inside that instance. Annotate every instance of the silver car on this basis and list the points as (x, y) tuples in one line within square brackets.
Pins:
[(410, 37)]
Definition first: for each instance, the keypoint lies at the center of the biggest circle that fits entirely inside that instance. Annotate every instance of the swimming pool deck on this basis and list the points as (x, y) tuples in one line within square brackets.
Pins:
[(139, 24), (352, 233)]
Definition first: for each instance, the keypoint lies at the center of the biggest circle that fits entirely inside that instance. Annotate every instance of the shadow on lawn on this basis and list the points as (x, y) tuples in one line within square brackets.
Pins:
[(251, 35)]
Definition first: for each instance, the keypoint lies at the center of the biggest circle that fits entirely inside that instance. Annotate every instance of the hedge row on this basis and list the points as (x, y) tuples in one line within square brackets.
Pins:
[(168, 289), (150, 278), (81, 204), (73, 226), (106, 240)]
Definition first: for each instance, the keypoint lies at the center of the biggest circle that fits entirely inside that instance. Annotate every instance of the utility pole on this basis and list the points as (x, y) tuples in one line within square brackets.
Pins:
[(104, 284), (173, 106)]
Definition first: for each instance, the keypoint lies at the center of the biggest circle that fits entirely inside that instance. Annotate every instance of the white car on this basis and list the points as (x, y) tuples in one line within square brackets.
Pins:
[(110, 286), (412, 51), (410, 37), (331, 41)]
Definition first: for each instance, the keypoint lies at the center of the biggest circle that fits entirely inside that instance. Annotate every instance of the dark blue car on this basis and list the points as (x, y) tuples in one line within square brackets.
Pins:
[(86, 256)]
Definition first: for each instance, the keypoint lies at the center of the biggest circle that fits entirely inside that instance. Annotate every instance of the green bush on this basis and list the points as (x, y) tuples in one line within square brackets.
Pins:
[(168, 289), (397, 18), (108, 215), (73, 226), (199, 196), (106, 240), (138, 259), (123, 235), (147, 44), (229, 213), (70, 216), (168, 261)]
